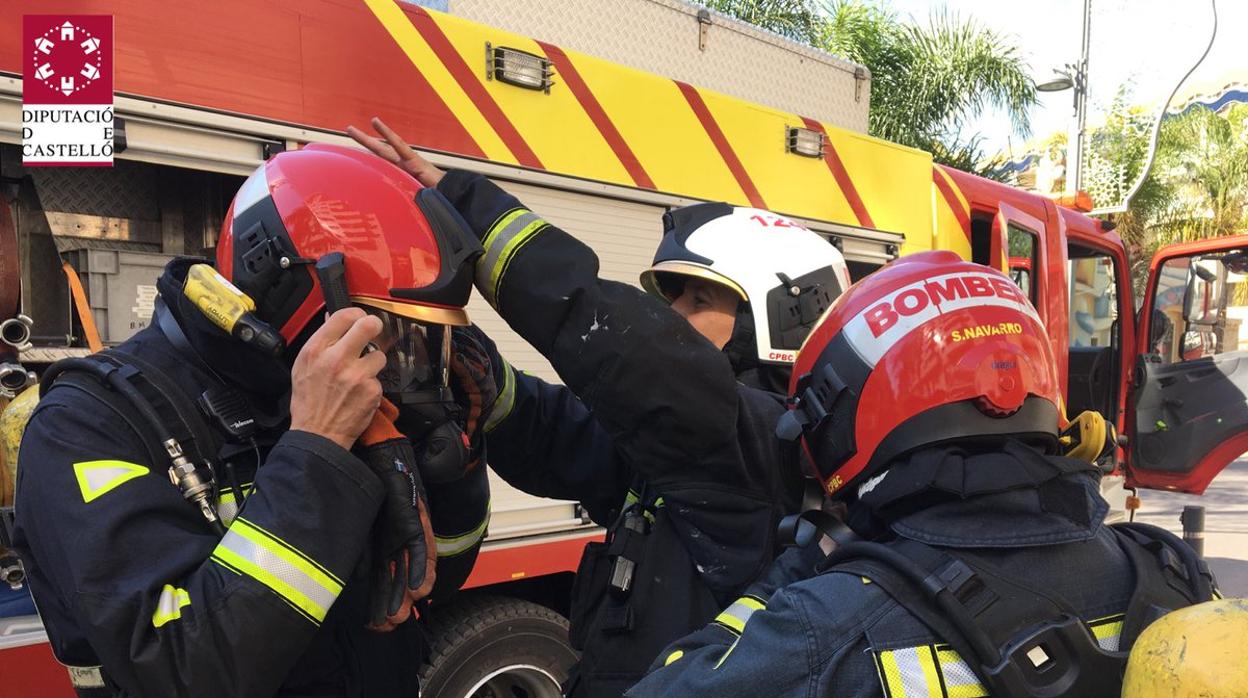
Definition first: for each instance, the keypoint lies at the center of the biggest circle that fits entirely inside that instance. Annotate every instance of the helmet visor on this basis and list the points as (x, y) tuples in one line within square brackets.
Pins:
[(417, 355)]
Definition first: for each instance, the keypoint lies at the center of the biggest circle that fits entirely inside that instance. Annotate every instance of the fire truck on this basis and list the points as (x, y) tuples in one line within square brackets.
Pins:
[(601, 131)]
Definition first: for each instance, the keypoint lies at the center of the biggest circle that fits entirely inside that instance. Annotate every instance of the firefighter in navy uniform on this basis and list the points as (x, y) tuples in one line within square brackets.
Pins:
[(145, 593), (664, 430), (973, 559)]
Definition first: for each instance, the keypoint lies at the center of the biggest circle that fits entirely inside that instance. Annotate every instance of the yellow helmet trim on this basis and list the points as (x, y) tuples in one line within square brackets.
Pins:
[(422, 313), (650, 282)]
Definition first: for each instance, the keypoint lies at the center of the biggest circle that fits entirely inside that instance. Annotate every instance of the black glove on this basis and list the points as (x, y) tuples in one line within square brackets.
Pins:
[(478, 368), (405, 552)]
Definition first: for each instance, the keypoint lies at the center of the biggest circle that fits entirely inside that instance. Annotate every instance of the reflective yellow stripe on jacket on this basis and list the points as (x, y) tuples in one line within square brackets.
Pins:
[(509, 233), (937, 671), (450, 546), (169, 605), (738, 614), (250, 550)]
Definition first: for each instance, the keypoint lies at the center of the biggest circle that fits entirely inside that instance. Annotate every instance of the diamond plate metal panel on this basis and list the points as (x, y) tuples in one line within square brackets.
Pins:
[(126, 190), (662, 37)]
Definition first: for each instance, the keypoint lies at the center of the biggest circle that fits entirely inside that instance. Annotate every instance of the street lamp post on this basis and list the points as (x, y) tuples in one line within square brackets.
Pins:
[(1075, 76)]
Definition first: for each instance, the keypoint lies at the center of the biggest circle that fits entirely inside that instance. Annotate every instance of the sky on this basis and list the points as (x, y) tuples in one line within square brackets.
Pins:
[(1147, 44)]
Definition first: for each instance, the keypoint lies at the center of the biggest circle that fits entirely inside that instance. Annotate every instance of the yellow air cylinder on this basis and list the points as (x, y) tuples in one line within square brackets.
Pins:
[(1196, 652), (13, 419)]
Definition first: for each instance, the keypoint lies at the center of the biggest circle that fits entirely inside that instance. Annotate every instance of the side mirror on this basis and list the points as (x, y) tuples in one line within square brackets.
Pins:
[(1236, 261)]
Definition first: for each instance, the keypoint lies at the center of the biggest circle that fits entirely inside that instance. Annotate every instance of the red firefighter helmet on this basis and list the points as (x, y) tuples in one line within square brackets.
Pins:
[(929, 349), (408, 252)]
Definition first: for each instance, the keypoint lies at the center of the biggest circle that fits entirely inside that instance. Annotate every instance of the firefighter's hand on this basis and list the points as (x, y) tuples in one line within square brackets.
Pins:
[(405, 551), (393, 148), (334, 390)]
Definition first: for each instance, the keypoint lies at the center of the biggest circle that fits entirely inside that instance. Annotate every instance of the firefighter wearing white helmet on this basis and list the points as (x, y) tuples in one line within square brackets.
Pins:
[(783, 275), (664, 429)]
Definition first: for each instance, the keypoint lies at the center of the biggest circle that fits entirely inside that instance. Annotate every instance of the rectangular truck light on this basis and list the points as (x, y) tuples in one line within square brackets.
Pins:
[(518, 68), (804, 141)]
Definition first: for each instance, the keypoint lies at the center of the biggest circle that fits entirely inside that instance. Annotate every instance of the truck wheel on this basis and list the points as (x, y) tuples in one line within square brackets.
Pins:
[(496, 647)]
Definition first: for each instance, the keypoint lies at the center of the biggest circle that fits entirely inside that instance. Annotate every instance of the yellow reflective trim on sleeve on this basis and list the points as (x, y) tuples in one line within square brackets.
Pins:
[(960, 680), (890, 675), (751, 603), (673, 657), (502, 222), (227, 502), (933, 671), (509, 244), (170, 604), (931, 675), (298, 580), (451, 546), (99, 477), (506, 399), (738, 613)]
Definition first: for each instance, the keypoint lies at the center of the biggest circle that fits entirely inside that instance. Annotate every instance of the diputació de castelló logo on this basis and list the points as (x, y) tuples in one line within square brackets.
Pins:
[(67, 90)]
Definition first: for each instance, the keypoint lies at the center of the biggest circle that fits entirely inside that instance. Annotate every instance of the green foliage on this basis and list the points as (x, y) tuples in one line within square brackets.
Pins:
[(1198, 185), (928, 82), (796, 19)]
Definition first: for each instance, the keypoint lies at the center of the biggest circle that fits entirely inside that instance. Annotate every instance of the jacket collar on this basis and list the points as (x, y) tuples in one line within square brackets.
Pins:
[(1015, 496), (264, 377)]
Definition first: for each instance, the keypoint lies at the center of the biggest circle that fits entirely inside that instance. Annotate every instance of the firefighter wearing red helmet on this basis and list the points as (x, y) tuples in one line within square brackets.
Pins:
[(222, 504), (974, 559)]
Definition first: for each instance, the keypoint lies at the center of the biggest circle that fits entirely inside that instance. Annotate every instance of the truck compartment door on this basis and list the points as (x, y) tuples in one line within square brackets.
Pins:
[(1189, 410)]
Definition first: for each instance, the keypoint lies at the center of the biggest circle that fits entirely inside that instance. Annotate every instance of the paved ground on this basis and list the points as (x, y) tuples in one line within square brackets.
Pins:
[(1226, 523)]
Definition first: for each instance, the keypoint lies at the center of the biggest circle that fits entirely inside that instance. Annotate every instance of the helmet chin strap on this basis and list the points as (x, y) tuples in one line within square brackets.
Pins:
[(741, 348)]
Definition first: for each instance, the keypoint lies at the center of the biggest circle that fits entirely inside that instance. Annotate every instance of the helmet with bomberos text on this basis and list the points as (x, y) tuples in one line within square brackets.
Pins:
[(408, 252), (787, 274), (930, 349)]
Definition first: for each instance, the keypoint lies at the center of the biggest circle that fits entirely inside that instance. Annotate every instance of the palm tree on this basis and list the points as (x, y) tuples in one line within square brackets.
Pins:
[(1204, 161), (797, 19), (928, 81), (1197, 188)]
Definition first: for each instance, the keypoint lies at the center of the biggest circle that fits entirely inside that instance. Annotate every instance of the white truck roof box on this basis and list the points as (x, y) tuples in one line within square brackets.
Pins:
[(666, 37)]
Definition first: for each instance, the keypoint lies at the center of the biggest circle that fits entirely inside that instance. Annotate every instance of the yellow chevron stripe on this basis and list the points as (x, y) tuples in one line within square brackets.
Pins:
[(426, 61), (892, 180), (757, 137), (653, 117), (947, 233), (554, 125)]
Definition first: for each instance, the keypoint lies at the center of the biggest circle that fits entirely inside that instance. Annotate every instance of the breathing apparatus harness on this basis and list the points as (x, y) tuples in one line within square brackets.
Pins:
[(160, 411), (164, 415), (1019, 641)]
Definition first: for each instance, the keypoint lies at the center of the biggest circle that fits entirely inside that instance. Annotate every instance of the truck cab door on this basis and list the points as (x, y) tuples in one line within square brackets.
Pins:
[(998, 243), (1189, 413)]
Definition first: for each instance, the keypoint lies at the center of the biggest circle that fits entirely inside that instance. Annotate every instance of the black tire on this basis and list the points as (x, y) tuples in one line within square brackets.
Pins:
[(496, 647)]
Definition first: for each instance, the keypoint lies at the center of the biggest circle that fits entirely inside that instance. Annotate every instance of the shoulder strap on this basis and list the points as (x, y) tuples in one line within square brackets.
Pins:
[(144, 396), (181, 432), (1020, 642), (79, 380), (187, 423), (1168, 575)]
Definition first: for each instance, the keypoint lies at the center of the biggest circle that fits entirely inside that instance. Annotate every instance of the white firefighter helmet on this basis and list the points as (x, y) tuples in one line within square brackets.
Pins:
[(788, 274)]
